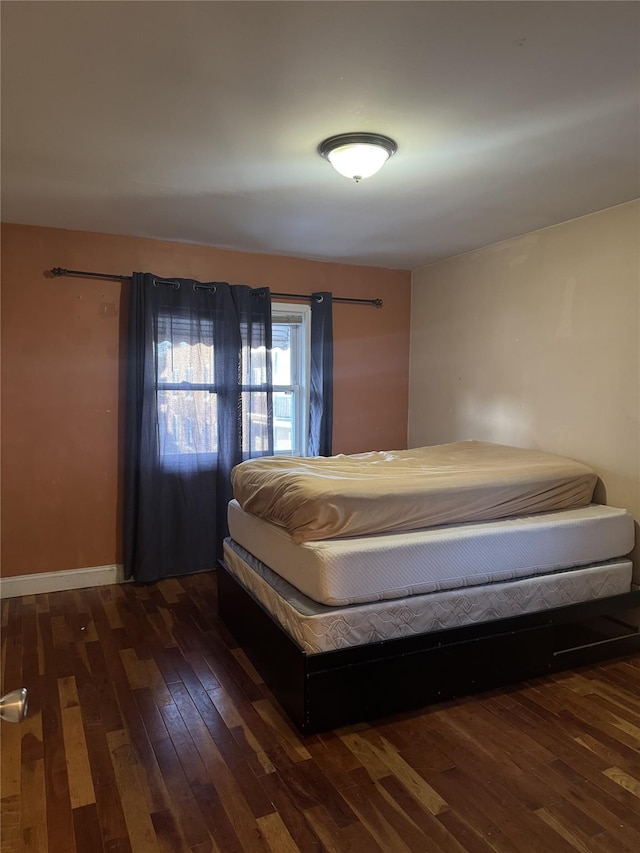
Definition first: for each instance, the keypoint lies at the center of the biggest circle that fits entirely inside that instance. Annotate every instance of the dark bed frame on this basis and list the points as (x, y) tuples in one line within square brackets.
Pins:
[(330, 689)]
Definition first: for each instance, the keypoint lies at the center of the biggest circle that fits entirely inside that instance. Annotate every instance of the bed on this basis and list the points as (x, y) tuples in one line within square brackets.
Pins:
[(350, 611)]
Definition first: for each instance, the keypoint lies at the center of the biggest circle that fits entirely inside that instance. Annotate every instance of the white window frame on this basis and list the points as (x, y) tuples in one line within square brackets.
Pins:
[(299, 318)]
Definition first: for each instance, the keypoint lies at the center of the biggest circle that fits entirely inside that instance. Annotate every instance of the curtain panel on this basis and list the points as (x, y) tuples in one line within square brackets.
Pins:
[(320, 441), (198, 401)]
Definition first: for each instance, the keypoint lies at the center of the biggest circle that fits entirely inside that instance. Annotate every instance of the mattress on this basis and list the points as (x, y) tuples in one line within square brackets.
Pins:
[(321, 498), (317, 628), (393, 565)]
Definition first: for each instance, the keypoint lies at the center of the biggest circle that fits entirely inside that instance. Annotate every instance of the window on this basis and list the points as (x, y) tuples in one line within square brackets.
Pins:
[(290, 357), (187, 394)]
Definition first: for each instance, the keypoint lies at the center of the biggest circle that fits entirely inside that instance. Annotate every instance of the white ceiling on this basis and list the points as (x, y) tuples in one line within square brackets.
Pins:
[(199, 121)]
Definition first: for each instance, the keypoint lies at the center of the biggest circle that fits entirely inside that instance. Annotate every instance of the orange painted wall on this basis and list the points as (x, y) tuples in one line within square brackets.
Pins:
[(62, 358)]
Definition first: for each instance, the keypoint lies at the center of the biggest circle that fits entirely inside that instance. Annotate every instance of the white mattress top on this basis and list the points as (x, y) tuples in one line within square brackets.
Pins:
[(391, 565)]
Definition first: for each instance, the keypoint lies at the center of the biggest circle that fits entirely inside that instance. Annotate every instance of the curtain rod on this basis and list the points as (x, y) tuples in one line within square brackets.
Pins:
[(60, 271)]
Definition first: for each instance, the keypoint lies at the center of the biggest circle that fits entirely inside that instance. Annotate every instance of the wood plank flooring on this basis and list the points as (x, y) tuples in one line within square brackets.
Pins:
[(150, 732)]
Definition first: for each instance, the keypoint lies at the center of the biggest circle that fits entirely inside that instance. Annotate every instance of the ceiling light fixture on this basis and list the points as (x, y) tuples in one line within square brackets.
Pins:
[(357, 155)]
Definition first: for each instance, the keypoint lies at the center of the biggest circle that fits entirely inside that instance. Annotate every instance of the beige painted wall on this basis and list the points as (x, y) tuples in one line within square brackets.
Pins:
[(534, 342)]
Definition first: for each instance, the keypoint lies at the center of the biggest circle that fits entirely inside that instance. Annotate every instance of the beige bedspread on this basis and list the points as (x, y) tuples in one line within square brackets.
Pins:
[(328, 497)]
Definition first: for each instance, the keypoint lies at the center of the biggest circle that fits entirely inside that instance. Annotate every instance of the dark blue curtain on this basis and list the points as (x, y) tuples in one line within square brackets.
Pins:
[(199, 401), (321, 389)]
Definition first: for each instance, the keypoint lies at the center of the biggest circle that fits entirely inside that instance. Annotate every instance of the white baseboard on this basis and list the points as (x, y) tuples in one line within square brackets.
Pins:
[(56, 581)]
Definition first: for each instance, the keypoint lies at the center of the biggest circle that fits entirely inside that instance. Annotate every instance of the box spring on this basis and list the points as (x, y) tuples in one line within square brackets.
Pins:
[(317, 628)]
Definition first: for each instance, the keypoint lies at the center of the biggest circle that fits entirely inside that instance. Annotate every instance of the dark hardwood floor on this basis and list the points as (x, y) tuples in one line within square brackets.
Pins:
[(150, 731)]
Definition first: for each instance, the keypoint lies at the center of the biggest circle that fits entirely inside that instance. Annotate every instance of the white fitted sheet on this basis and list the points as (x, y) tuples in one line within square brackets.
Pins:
[(393, 565), (317, 628)]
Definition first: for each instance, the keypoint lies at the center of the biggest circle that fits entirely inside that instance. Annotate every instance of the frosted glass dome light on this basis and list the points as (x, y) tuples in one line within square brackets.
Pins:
[(357, 155)]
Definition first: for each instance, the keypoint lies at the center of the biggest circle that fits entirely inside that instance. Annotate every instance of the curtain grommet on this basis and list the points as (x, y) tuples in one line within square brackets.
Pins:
[(172, 282)]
